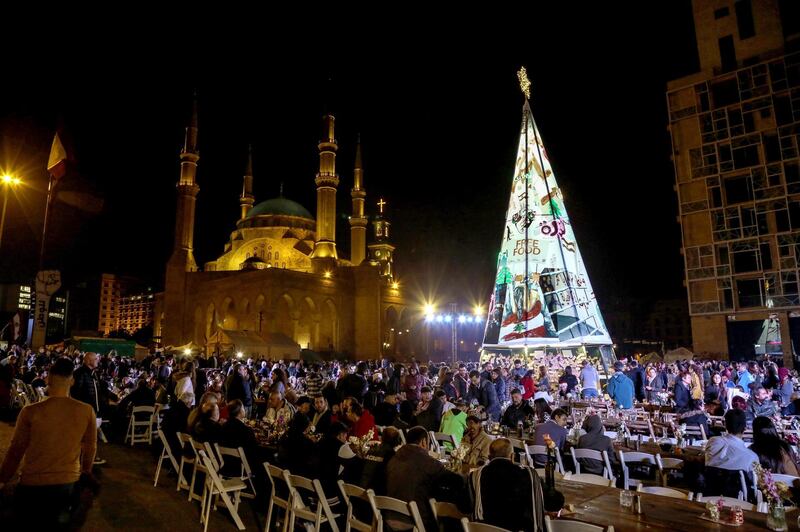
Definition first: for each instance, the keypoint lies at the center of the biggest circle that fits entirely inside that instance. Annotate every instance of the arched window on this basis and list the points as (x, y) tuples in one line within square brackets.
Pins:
[(269, 255), (277, 255)]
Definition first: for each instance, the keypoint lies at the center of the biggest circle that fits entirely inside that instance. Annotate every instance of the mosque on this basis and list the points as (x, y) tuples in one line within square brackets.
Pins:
[(281, 275)]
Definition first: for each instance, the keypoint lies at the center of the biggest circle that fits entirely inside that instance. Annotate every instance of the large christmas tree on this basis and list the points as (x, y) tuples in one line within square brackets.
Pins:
[(542, 294)]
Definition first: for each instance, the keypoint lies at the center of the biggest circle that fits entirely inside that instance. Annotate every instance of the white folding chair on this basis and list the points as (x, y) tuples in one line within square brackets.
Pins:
[(350, 492), (388, 504), (184, 440), (591, 454), (281, 500), (472, 526), (217, 487), (667, 466), (635, 458), (199, 467), (665, 492), (246, 473), (155, 419), (140, 419), (446, 510), (433, 445), (402, 436), (588, 478), (541, 450), (166, 453), (298, 509), (443, 440), (570, 525)]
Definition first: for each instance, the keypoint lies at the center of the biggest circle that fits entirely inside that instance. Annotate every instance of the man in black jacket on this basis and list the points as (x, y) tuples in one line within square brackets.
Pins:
[(85, 389), (517, 411), (240, 388), (636, 374), (234, 434), (354, 384)]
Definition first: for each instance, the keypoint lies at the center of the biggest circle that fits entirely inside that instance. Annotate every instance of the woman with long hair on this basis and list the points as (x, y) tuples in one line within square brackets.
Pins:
[(278, 381), (773, 452), (542, 410), (715, 396)]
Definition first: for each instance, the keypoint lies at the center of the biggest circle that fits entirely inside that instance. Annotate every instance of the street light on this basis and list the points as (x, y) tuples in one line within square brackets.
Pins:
[(8, 182)]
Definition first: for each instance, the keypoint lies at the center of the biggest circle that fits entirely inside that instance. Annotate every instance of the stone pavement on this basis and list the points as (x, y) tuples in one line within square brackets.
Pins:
[(128, 500)]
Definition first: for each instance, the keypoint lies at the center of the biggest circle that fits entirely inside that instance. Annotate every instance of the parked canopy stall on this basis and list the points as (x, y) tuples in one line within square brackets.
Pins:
[(250, 343)]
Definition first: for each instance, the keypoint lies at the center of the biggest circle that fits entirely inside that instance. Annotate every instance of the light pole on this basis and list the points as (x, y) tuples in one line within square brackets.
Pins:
[(7, 182)]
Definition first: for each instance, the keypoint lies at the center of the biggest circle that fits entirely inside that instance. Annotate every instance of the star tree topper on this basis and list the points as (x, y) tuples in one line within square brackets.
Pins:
[(524, 82)]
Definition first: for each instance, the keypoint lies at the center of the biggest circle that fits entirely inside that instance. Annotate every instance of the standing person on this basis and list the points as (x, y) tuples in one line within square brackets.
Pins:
[(484, 392), (84, 389), (620, 387), (543, 385), (240, 388), (636, 375), (528, 385), (654, 384), (569, 380), (590, 380), (500, 386), (461, 381), (785, 387), (58, 439)]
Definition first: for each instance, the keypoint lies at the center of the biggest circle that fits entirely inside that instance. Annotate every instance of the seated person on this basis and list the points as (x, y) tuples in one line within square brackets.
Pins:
[(726, 455), (333, 457), (555, 428), (595, 440), (518, 411), (386, 411), (235, 433), (478, 442), (760, 404), (454, 421), (773, 452), (507, 495), (373, 475), (207, 428)]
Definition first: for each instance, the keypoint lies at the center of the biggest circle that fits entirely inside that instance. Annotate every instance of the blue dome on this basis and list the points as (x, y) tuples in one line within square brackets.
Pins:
[(279, 206)]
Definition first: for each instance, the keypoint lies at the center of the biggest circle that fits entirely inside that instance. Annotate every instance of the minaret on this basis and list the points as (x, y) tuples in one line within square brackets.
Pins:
[(382, 251), (358, 222), (327, 181), (187, 192), (247, 199), (182, 259)]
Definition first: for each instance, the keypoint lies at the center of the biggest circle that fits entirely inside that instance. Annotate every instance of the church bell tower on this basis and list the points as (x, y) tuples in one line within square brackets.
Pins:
[(382, 251)]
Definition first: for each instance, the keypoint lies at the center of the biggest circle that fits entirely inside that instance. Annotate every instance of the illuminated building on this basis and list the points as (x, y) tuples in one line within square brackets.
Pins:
[(735, 147), (135, 311), (281, 271)]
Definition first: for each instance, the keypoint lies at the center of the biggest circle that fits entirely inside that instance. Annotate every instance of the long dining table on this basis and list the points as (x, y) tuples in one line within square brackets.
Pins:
[(599, 505)]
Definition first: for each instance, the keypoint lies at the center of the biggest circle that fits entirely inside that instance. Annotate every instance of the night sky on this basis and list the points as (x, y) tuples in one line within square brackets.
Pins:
[(438, 108)]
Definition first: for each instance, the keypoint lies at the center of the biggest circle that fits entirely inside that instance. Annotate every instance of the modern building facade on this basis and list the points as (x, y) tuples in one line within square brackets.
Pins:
[(735, 126)]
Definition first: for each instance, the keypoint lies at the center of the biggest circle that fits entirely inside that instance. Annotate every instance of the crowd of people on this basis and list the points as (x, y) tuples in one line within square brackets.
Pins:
[(318, 410)]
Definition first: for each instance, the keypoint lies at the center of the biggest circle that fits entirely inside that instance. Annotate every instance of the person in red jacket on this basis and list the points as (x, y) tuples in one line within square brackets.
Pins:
[(528, 385), (361, 422)]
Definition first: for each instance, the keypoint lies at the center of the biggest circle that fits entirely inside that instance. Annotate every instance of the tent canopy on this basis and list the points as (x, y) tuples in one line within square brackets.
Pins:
[(678, 354), (271, 345)]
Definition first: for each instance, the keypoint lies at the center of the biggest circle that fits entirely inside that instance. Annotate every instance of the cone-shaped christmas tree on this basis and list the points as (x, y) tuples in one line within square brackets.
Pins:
[(542, 294)]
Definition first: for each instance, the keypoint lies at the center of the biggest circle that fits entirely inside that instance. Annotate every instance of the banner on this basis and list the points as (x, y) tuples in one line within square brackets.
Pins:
[(542, 294), (47, 283)]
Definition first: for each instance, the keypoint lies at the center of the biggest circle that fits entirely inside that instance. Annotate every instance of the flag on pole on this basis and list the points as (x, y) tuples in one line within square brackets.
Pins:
[(57, 163)]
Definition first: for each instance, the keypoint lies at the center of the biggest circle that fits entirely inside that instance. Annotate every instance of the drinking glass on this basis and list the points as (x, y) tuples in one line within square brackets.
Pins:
[(626, 498)]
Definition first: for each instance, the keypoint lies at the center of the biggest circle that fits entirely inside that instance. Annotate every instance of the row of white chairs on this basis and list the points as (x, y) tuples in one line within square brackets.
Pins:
[(144, 421)]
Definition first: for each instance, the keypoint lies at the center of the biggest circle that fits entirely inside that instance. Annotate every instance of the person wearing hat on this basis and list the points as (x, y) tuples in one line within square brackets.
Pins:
[(620, 387), (454, 421)]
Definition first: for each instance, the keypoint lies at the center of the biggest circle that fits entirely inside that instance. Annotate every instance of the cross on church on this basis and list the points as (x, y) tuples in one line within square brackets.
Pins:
[(381, 203)]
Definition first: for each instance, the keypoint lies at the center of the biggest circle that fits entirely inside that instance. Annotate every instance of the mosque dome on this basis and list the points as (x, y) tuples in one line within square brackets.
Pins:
[(280, 207)]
